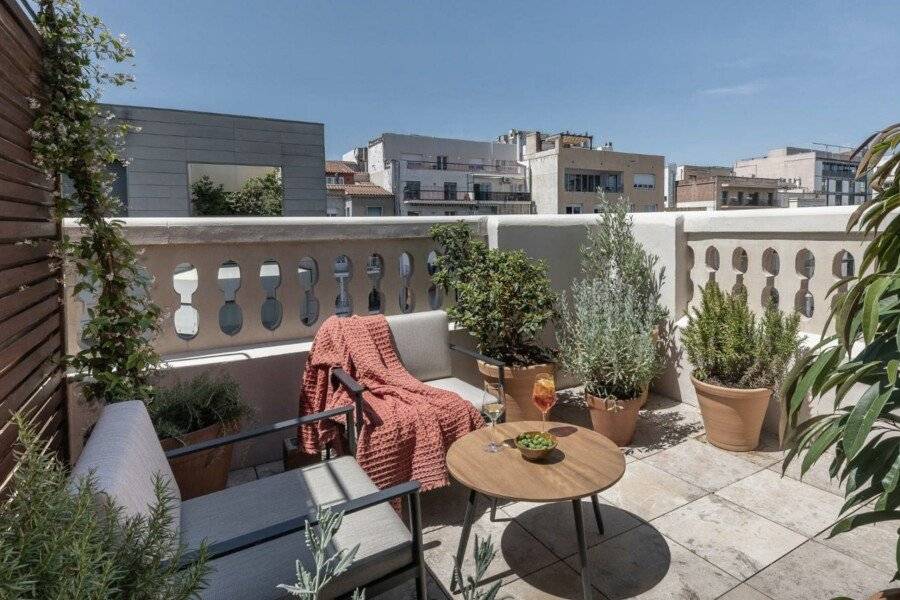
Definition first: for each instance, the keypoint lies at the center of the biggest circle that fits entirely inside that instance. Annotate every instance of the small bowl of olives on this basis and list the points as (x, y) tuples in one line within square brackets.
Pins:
[(535, 445)]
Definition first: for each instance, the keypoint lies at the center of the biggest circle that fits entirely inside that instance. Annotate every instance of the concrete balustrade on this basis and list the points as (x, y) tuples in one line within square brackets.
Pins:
[(250, 300)]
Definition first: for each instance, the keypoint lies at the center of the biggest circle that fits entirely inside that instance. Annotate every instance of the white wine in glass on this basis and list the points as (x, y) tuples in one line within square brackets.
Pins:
[(493, 409)]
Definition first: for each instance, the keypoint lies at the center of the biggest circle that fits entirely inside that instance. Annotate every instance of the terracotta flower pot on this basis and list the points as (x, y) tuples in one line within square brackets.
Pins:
[(518, 383), (204, 472), (617, 425), (732, 417)]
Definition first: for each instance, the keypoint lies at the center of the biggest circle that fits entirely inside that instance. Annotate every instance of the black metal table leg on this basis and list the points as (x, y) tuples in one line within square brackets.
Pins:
[(595, 502), (582, 550), (456, 581), (493, 509)]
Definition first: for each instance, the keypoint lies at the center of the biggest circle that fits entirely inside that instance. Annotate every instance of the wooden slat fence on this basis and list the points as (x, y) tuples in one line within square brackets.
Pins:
[(31, 317)]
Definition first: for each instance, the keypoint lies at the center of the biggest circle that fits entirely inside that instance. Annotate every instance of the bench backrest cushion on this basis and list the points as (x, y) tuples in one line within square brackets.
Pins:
[(123, 455), (422, 342)]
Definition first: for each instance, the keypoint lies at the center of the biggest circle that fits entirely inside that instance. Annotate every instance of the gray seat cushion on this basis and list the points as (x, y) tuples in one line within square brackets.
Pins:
[(474, 395), (422, 341), (124, 455), (385, 544)]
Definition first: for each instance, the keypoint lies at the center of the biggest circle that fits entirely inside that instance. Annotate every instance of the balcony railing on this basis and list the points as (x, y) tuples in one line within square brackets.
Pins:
[(465, 167), (432, 196)]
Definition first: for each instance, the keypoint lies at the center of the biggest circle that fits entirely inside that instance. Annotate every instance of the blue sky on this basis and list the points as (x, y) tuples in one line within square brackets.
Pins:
[(700, 82)]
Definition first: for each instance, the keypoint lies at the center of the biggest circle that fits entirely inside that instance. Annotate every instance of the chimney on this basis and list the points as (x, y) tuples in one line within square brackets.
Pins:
[(533, 142)]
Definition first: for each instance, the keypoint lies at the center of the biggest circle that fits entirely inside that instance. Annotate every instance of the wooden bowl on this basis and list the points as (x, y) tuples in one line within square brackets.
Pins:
[(531, 453)]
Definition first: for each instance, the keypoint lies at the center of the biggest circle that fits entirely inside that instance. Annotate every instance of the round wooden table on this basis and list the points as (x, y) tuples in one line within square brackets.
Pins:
[(583, 464)]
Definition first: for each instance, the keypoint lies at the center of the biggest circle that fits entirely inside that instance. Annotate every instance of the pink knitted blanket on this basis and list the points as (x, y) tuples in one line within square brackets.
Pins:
[(408, 425)]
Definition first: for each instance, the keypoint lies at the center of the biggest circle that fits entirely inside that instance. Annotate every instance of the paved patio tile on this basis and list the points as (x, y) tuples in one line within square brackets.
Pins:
[(727, 535), (744, 592), (518, 552), (447, 506), (272, 468), (795, 505), (874, 545), (554, 523), (662, 424), (556, 582), (816, 571), (649, 492), (766, 454), (643, 563), (817, 476), (703, 464), (407, 591), (239, 476)]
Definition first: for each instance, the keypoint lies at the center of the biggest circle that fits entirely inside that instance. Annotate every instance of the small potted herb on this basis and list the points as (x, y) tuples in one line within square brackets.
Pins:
[(738, 361), (194, 411)]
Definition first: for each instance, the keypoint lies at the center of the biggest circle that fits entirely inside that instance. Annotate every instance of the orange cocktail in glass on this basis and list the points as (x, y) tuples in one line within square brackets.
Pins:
[(544, 396)]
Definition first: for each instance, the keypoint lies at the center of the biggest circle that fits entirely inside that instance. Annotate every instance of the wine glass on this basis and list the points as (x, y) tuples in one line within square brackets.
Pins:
[(493, 403), (544, 396)]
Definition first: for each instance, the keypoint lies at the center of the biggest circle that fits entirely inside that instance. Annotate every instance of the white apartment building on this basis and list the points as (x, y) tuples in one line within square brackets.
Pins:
[(443, 176), (809, 177)]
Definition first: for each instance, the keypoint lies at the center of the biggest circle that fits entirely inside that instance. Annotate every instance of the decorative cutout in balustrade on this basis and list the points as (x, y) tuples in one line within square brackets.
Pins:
[(407, 298), (231, 317), (343, 303), (185, 280), (271, 311), (308, 272), (375, 273), (435, 294)]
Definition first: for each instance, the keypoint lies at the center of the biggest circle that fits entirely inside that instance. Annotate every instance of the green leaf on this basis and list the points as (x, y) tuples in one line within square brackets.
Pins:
[(860, 519), (889, 481), (818, 447), (870, 306), (809, 377), (892, 371), (861, 418)]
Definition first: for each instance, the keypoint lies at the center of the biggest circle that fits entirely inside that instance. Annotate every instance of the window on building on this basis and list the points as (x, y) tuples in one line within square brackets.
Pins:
[(231, 177), (449, 213), (482, 191), (449, 190), (412, 213), (334, 179), (374, 211), (331, 211), (597, 210), (651, 208), (724, 197), (119, 184), (441, 163), (771, 198), (573, 209), (412, 190), (740, 198), (593, 181), (754, 198), (645, 181), (348, 210)]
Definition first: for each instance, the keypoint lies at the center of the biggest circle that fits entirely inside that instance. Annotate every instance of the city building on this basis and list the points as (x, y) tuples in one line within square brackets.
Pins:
[(568, 175), (351, 194), (716, 192), (442, 176), (170, 149), (810, 177)]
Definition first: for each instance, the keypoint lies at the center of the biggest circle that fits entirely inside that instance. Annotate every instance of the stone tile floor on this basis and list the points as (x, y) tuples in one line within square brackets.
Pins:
[(687, 520)]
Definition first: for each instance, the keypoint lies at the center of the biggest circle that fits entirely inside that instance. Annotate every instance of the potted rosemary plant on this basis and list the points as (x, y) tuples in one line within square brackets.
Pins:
[(607, 334), (739, 361), (504, 300), (194, 411)]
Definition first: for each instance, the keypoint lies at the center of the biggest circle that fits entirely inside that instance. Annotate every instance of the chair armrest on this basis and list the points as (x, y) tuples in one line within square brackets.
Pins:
[(346, 380), (252, 433), (478, 356), (299, 523)]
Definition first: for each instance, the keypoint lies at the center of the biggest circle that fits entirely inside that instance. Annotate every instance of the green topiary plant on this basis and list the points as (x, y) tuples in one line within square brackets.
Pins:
[(200, 402), (208, 198), (729, 346), (56, 541), (503, 298), (864, 352)]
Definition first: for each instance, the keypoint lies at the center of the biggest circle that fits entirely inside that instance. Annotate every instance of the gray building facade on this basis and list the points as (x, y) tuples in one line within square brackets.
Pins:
[(172, 148)]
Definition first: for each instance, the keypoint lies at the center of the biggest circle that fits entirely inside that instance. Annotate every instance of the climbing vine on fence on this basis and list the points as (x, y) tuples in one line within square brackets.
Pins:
[(72, 137)]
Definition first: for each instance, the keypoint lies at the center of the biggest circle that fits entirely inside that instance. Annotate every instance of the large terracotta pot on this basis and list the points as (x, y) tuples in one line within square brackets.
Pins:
[(617, 425), (203, 472), (518, 383), (732, 417)]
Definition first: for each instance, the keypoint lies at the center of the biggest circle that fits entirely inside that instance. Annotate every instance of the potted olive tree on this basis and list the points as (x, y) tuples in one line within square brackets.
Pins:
[(607, 334), (194, 411), (739, 361), (504, 300)]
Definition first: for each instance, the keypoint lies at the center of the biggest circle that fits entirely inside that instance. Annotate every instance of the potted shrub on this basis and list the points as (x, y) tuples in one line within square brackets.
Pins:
[(607, 334), (504, 300), (738, 363), (612, 251), (190, 412)]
